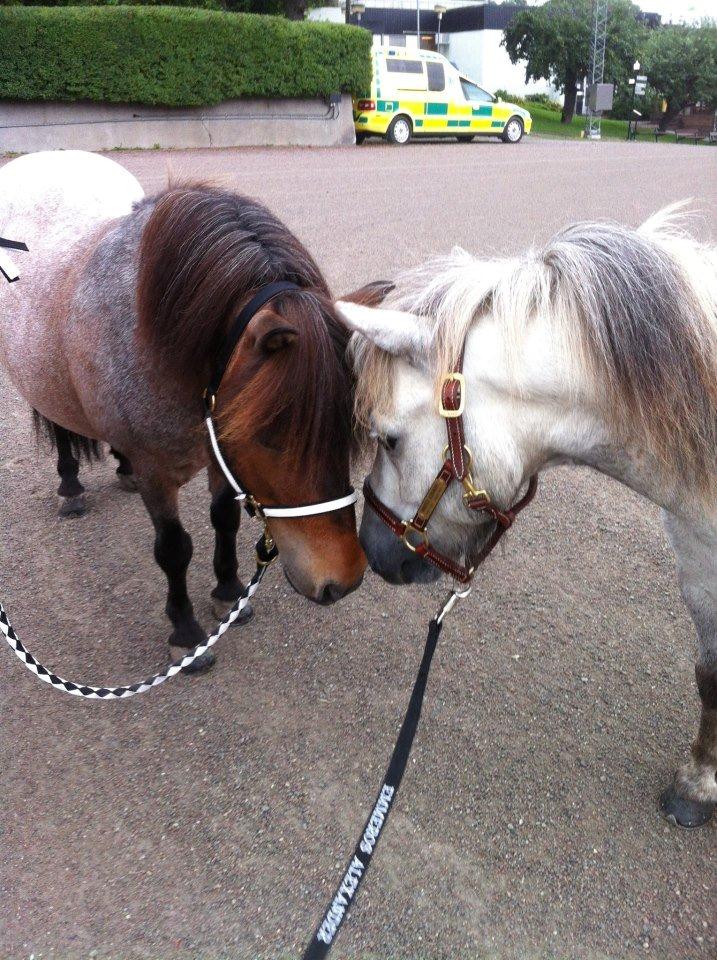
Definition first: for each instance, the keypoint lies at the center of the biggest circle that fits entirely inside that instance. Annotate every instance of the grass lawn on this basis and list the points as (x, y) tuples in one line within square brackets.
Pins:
[(547, 123)]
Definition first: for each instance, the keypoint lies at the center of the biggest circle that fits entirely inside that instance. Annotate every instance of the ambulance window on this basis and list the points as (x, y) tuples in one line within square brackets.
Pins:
[(403, 66), (436, 76), (472, 91)]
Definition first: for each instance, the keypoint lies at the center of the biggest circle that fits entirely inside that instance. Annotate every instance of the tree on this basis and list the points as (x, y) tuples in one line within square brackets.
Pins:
[(555, 40), (293, 9), (681, 63)]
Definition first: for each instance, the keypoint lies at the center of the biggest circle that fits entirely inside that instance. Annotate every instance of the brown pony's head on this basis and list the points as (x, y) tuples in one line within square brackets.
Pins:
[(284, 406)]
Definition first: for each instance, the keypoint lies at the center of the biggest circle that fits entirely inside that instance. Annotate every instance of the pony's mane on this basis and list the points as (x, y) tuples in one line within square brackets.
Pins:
[(634, 309), (203, 252)]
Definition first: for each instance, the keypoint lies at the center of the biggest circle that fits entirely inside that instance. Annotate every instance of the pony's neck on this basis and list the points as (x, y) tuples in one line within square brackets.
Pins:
[(531, 407)]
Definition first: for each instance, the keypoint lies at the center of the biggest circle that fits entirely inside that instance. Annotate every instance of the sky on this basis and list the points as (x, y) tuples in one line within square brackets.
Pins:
[(680, 11)]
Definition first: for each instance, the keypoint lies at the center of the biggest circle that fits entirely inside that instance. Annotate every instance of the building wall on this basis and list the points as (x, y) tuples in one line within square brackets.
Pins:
[(411, 4), (471, 36), (479, 54)]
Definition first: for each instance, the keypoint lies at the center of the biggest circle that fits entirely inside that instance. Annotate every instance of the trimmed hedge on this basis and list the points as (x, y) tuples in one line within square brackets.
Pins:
[(205, 4), (171, 56), (542, 99)]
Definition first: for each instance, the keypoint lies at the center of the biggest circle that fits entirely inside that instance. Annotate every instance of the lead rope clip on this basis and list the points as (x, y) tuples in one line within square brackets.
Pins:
[(454, 596)]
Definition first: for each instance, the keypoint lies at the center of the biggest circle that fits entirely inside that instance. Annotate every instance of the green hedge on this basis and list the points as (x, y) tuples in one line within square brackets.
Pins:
[(542, 99), (206, 4), (171, 56)]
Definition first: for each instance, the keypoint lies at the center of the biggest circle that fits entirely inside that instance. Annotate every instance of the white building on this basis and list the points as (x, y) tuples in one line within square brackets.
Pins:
[(470, 35)]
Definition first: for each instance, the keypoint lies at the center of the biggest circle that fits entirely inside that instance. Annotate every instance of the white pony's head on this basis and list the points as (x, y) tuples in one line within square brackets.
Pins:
[(399, 358), (604, 340)]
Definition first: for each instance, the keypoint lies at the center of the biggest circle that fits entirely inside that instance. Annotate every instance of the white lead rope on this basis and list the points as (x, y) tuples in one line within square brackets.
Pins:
[(130, 690), (309, 510)]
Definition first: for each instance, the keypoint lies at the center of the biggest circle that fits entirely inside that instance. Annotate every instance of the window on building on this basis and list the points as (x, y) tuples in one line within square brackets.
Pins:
[(436, 76), (403, 66), (471, 91), (396, 40)]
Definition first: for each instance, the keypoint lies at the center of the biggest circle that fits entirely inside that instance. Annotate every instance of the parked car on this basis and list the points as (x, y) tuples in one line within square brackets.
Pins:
[(418, 93)]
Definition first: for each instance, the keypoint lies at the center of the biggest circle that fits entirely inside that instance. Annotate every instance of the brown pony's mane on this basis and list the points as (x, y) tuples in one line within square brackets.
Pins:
[(203, 252)]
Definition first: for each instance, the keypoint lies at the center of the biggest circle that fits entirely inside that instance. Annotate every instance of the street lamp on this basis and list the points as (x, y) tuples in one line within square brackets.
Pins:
[(440, 10), (358, 9)]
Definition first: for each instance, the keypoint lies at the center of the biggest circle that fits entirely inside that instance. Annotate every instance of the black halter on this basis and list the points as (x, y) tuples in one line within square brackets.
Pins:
[(262, 297)]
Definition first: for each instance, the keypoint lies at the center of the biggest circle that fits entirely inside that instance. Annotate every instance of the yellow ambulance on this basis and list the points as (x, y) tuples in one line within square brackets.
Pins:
[(419, 93)]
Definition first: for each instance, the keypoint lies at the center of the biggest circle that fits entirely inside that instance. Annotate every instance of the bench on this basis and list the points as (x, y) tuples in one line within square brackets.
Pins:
[(679, 134)]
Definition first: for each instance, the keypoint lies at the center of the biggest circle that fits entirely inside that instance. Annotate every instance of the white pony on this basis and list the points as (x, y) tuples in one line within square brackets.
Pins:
[(599, 349)]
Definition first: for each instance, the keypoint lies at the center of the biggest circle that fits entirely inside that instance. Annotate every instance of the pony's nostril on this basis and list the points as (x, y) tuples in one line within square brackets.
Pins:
[(330, 593)]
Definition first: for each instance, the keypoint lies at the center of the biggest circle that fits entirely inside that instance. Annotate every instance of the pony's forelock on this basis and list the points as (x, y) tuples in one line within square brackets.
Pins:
[(301, 396)]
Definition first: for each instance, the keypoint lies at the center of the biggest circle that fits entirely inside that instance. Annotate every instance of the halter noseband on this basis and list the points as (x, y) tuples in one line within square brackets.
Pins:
[(265, 294), (456, 466)]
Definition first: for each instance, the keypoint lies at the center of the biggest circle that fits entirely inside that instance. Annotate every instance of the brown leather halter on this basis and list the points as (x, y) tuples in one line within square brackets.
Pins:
[(456, 466)]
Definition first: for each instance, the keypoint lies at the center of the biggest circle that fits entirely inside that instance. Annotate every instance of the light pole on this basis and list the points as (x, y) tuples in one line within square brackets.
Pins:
[(418, 24), (440, 10), (358, 9)]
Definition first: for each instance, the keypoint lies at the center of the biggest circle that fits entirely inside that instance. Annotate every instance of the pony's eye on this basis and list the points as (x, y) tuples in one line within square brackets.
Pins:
[(388, 441)]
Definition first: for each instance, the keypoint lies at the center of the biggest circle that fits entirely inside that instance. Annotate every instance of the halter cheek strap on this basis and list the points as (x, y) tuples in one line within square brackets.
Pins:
[(252, 505)]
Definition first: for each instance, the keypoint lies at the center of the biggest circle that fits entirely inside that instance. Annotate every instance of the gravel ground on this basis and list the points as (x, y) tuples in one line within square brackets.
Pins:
[(210, 819)]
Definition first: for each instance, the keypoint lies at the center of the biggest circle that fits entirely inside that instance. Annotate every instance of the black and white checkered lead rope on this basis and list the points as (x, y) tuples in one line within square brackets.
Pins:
[(265, 555)]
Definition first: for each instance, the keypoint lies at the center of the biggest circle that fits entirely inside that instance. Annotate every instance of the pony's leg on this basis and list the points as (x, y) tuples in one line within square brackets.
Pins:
[(173, 552), (125, 473), (225, 514), (71, 491), (691, 799)]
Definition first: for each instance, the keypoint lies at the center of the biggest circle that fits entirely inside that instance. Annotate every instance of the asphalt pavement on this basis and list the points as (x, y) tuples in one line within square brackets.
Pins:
[(211, 818)]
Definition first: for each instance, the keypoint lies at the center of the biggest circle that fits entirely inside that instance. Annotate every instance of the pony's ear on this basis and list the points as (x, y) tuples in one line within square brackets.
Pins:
[(394, 331), (271, 332), (371, 294)]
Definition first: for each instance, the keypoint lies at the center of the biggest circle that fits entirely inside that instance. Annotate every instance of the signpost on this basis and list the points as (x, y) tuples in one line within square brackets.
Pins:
[(638, 84)]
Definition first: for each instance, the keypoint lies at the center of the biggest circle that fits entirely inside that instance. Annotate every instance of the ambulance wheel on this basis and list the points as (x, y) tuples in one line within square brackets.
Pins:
[(360, 137), (513, 131), (465, 137), (400, 131)]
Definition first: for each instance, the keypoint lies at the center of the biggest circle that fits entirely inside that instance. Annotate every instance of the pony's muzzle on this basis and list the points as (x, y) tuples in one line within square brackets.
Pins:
[(389, 557), (326, 593)]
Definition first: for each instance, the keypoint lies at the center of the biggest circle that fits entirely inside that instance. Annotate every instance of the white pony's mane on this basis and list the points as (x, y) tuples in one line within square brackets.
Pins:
[(637, 309)]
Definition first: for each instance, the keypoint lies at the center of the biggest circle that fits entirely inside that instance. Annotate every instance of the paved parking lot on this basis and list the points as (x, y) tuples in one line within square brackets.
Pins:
[(210, 819)]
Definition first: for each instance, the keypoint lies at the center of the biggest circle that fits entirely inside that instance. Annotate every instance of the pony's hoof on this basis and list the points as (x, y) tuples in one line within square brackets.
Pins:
[(72, 506), (127, 482), (683, 812), (200, 665), (220, 608)]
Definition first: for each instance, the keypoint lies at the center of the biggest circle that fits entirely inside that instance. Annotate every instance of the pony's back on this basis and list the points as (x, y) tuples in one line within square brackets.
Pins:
[(51, 201)]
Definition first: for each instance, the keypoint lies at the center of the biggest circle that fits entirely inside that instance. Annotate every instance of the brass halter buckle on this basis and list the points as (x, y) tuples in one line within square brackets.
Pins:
[(453, 414), (210, 400), (410, 527), (266, 551)]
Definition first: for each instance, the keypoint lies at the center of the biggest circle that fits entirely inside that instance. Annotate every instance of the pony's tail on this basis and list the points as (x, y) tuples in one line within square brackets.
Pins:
[(83, 448)]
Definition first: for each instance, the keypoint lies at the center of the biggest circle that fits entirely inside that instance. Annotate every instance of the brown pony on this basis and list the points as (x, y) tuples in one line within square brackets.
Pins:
[(111, 335)]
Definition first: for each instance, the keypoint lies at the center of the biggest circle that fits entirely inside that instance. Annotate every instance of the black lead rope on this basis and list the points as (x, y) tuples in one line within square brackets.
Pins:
[(13, 244), (337, 910), (7, 269)]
